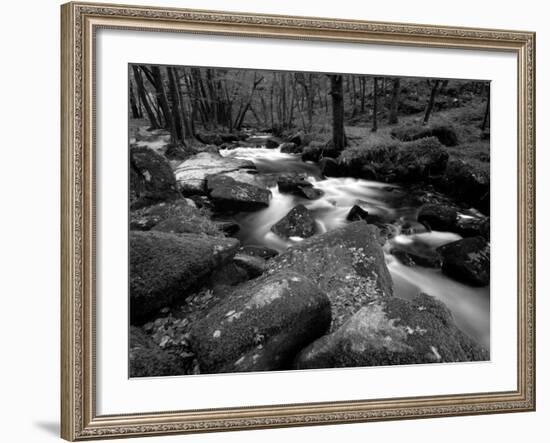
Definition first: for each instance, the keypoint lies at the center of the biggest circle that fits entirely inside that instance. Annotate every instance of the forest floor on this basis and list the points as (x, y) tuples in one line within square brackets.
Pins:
[(465, 122)]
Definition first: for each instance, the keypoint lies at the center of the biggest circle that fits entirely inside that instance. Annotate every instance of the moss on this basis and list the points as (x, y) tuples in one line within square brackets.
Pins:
[(146, 359), (261, 325), (165, 267), (176, 217), (347, 263), (151, 178), (393, 332)]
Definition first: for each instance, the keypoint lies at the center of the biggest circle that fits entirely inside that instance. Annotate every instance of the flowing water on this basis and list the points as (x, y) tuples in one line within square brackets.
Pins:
[(470, 306)]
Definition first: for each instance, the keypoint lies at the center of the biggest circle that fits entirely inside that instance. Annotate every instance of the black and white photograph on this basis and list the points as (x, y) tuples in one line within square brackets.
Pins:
[(286, 220)]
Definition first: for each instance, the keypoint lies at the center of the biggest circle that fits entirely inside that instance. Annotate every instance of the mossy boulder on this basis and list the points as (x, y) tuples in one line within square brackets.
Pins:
[(147, 359), (261, 325), (179, 216), (291, 148), (191, 174), (438, 217), (317, 150), (347, 263), (394, 331), (414, 161), (469, 182), (416, 254), (420, 160), (299, 222), (445, 134), (297, 184), (151, 178), (227, 194), (467, 260), (165, 267), (358, 213)]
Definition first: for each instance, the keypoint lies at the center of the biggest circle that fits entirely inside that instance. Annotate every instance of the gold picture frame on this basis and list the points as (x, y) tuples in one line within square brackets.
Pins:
[(80, 21)]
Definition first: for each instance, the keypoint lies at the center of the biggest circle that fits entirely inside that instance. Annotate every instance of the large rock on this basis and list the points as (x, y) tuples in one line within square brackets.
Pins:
[(151, 178), (330, 167), (347, 263), (416, 254), (394, 331), (467, 260), (469, 182), (262, 325), (442, 217), (358, 213), (272, 142), (179, 216), (315, 151), (147, 359), (298, 139), (438, 217), (420, 160), (290, 148), (297, 184), (191, 174), (227, 194), (297, 223), (209, 138), (164, 267), (445, 134)]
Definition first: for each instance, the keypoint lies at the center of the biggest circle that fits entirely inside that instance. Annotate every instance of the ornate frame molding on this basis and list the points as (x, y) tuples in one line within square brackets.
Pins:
[(78, 417)]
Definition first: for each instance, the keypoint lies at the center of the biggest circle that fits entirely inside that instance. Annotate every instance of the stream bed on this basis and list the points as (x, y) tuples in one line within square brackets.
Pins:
[(470, 305)]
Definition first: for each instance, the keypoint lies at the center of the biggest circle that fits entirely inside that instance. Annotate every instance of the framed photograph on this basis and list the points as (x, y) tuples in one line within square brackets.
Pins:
[(282, 221)]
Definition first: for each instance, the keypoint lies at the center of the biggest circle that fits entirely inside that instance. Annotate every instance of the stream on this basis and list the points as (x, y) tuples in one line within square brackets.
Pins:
[(470, 306)]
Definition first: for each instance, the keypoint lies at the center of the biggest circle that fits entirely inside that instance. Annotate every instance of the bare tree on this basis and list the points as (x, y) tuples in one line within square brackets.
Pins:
[(142, 93), (337, 94), (177, 126), (435, 84), (487, 108), (394, 106), (375, 105)]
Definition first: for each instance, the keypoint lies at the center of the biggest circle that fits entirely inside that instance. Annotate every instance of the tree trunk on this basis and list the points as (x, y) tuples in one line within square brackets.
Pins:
[(143, 97), (133, 103), (487, 109), (363, 93), (375, 106), (431, 102), (161, 97), (178, 131), (394, 106), (337, 94)]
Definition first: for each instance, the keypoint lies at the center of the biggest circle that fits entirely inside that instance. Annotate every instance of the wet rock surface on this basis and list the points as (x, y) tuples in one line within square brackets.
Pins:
[(393, 331), (438, 217), (262, 325), (467, 260), (191, 174), (151, 178), (297, 223), (298, 184), (227, 194)]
